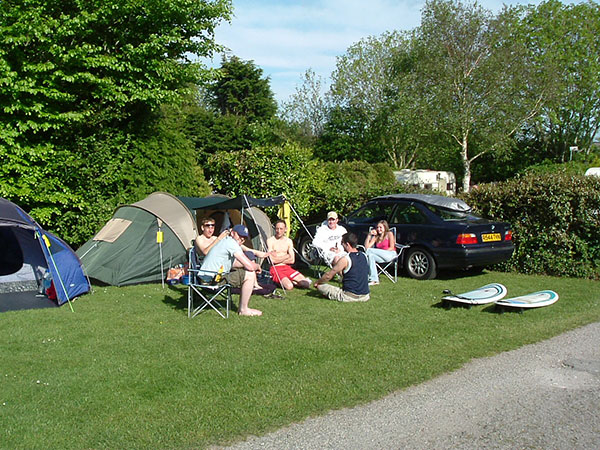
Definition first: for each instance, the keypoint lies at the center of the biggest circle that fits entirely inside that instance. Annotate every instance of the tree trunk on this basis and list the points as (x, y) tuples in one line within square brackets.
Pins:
[(466, 164)]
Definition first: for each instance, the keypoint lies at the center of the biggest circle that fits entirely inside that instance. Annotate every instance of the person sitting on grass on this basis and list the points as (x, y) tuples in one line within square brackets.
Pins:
[(281, 250), (227, 254), (355, 269), (381, 248)]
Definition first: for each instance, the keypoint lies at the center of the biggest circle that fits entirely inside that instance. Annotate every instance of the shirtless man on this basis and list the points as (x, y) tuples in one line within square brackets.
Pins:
[(207, 240), (281, 250)]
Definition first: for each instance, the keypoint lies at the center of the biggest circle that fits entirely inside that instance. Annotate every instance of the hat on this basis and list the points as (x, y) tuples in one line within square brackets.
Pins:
[(241, 230), (332, 215)]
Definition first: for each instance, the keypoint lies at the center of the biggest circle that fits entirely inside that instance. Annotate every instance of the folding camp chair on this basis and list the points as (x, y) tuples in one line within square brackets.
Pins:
[(208, 293), (316, 260), (390, 268)]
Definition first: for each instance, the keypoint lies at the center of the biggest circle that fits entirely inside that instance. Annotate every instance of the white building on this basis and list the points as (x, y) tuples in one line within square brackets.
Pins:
[(435, 180)]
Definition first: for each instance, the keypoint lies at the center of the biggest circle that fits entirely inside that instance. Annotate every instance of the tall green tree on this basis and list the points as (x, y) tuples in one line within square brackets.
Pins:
[(242, 91), (345, 136), (475, 79), (81, 85), (565, 39), (236, 111), (308, 106), (366, 88)]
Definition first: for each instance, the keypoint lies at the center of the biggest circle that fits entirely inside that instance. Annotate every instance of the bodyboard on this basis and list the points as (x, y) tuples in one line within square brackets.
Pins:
[(486, 294), (533, 300)]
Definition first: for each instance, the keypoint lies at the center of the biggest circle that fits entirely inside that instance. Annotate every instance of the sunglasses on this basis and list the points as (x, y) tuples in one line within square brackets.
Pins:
[(211, 225)]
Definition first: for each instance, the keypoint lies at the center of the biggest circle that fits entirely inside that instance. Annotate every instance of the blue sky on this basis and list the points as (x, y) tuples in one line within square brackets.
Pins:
[(287, 37)]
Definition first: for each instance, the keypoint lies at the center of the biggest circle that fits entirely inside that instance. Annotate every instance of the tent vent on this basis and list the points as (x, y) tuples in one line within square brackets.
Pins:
[(112, 230)]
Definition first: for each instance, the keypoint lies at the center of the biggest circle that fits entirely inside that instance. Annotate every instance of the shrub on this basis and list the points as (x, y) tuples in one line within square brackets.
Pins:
[(555, 219), (268, 172), (349, 184), (312, 186), (78, 190), (549, 167)]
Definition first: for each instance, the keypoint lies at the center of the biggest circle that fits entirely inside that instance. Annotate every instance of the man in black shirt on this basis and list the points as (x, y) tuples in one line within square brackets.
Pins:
[(354, 269)]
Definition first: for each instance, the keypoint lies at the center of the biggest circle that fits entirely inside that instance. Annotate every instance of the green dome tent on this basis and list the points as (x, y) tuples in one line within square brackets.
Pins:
[(127, 249)]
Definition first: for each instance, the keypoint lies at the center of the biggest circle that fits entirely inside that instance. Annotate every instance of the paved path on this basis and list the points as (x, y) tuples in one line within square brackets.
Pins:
[(545, 395)]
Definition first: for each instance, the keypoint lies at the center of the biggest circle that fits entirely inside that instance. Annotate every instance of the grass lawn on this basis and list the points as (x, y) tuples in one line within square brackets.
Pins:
[(128, 369)]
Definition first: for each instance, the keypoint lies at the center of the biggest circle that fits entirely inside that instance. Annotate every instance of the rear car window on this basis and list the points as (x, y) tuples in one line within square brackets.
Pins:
[(449, 215)]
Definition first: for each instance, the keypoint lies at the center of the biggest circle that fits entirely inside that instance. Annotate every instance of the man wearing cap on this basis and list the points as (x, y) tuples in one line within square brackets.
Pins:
[(228, 254), (329, 239)]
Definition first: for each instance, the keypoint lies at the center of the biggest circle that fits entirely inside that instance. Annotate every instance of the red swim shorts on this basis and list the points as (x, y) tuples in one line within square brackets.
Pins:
[(284, 271)]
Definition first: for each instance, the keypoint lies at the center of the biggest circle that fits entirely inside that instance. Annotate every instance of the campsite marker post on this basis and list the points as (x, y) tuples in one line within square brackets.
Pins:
[(159, 241)]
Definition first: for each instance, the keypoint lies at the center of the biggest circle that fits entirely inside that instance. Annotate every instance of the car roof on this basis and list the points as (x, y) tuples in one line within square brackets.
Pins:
[(451, 203)]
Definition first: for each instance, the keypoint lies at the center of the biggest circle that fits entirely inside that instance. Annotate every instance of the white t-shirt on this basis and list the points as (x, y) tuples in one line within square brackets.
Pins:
[(326, 238)]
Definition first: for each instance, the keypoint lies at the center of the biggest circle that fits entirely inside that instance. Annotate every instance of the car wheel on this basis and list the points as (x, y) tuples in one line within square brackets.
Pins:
[(306, 250), (420, 264)]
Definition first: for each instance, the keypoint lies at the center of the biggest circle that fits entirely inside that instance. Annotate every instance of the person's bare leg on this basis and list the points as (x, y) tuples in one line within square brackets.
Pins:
[(287, 284), (246, 293), (301, 281)]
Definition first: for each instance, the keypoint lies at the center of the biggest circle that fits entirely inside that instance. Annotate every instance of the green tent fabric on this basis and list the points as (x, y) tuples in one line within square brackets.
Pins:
[(125, 251)]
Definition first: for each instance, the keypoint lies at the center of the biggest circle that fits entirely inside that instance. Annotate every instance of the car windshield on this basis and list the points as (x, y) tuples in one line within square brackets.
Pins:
[(449, 215)]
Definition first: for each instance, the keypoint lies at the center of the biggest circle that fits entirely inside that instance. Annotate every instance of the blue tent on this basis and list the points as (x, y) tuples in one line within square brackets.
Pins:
[(27, 252)]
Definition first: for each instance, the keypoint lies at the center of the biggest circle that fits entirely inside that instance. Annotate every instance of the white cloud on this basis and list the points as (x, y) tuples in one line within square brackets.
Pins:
[(287, 37)]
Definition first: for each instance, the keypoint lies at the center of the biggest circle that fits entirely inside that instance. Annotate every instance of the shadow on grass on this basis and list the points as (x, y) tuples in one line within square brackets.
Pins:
[(445, 304), (176, 298), (497, 309), (490, 308), (315, 294)]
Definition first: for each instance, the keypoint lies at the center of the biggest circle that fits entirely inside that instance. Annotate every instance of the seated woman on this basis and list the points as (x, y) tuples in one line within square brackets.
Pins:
[(381, 248)]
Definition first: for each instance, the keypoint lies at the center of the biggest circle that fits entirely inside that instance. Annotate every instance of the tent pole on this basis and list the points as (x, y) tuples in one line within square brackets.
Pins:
[(90, 249), (85, 270), (301, 222)]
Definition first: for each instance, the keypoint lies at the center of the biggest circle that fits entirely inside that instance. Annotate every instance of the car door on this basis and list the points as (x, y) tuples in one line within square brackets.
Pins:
[(412, 224)]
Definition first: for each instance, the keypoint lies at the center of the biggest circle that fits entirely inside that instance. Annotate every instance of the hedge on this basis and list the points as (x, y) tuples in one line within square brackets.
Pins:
[(555, 219), (312, 186)]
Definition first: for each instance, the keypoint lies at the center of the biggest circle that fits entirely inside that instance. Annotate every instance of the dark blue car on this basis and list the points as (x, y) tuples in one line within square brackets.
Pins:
[(440, 232)]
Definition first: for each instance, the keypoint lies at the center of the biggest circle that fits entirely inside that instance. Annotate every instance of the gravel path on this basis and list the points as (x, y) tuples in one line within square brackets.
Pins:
[(545, 395)]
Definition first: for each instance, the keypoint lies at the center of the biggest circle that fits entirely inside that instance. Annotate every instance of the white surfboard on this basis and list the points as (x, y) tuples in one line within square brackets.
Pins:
[(534, 300), (485, 294)]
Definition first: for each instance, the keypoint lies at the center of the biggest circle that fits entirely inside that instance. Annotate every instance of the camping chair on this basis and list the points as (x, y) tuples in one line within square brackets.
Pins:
[(209, 294), (390, 268), (316, 259)]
